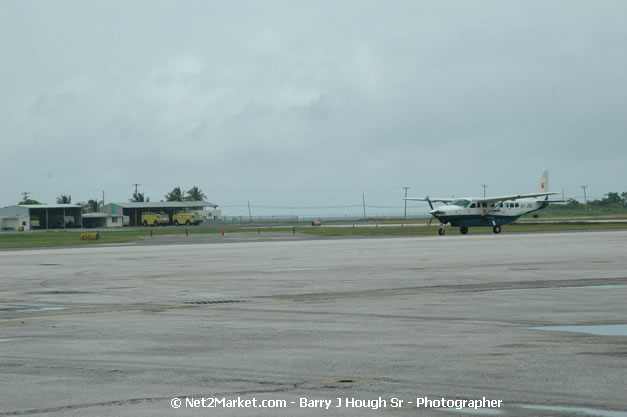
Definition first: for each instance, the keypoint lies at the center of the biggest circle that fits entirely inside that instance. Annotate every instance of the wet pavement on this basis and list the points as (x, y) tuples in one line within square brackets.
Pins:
[(353, 324)]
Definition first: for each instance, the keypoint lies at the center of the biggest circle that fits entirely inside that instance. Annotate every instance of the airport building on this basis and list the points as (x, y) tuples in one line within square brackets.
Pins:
[(134, 211), (93, 220), (65, 216), (40, 216)]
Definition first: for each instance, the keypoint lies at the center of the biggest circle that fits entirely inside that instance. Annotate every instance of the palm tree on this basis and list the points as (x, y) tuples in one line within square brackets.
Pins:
[(139, 198), (175, 195), (27, 201), (195, 194), (93, 206), (64, 199)]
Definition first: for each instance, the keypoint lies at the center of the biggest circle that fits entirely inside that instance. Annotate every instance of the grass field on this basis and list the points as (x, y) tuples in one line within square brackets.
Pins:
[(566, 211), (63, 238), (72, 238), (52, 238)]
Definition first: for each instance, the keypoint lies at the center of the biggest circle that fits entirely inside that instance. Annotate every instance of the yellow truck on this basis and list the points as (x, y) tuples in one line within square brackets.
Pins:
[(155, 219), (186, 219)]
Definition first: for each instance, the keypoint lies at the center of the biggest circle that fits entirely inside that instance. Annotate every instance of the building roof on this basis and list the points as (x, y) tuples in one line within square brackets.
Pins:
[(167, 204), (48, 206), (98, 215)]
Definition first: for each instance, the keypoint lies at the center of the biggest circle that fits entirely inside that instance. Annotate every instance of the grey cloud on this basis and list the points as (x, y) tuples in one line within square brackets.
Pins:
[(287, 96)]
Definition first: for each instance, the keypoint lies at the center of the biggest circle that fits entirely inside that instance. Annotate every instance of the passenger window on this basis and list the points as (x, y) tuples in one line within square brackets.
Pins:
[(472, 205), (484, 205), (491, 204), (517, 204)]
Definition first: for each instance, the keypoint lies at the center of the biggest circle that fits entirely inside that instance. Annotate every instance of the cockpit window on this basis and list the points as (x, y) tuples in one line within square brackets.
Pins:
[(460, 203)]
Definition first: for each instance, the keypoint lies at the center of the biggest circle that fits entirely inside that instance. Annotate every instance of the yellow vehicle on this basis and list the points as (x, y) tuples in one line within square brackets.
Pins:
[(155, 219), (186, 219)]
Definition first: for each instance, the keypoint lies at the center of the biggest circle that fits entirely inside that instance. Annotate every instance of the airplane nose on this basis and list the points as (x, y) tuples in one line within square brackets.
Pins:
[(435, 212)]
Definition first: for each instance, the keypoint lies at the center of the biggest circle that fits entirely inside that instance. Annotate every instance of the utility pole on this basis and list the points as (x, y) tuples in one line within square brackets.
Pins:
[(405, 188), (484, 187), (250, 216), (585, 199), (135, 188), (102, 198), (25, 194), (363, 199)]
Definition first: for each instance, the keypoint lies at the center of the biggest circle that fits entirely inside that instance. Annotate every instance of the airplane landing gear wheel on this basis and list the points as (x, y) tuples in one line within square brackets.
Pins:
[(463, 230), (496, 229), (441, 231)]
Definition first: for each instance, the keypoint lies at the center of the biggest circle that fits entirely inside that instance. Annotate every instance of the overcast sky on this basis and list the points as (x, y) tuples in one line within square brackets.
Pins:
[(294, 104)]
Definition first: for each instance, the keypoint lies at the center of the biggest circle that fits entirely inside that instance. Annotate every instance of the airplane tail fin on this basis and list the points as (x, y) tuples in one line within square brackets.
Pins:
[(543, 187)]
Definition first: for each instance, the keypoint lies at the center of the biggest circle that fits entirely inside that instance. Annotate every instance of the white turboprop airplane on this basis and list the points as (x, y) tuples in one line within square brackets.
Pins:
[(488, 211)]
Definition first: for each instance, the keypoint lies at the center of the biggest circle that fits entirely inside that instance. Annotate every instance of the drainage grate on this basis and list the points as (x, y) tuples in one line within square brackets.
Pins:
[(214, 302)]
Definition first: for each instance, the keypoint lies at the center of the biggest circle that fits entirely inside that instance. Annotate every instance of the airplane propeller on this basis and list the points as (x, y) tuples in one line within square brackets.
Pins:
[(430, 205), (429, 201)]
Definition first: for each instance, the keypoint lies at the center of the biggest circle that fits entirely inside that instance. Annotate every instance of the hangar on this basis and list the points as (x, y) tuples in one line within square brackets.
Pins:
[(134, 210), (40, 216)]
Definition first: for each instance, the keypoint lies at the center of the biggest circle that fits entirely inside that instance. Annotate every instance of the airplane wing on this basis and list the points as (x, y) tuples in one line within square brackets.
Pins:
[(510, 197), (433, 200)]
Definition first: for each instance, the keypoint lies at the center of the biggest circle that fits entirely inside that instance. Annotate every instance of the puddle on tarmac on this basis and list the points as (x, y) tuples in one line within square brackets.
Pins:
[(576, 411), (580, 287), (9, 339), (31, 309), (601, 287), (597, 330), (294, 269)]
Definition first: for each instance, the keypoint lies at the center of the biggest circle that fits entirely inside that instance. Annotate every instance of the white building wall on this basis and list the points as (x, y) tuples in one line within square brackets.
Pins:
[(15, 223), (209, 214), (115, 221)]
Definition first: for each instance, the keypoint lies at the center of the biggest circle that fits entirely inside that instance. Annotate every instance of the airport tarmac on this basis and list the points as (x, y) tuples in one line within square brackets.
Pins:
[(352, 324)]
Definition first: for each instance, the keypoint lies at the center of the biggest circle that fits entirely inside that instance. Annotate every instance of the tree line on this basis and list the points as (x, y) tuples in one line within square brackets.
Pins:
[(177, 194), (613, 199)]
